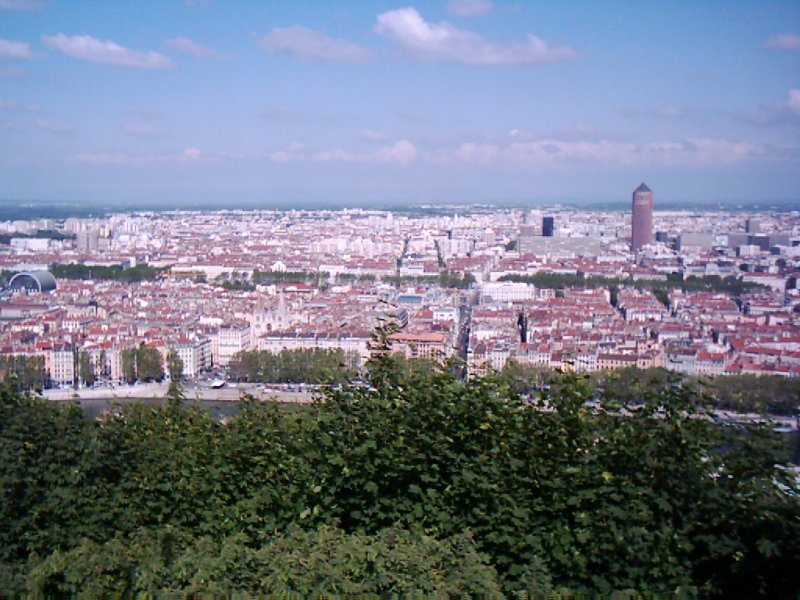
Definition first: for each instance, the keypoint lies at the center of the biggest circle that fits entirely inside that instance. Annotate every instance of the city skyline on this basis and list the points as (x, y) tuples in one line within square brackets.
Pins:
[(190, 103), (211, 284)]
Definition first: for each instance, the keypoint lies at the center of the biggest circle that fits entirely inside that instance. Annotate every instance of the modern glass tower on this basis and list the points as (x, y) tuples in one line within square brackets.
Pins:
[(642, 217), (548, 226)]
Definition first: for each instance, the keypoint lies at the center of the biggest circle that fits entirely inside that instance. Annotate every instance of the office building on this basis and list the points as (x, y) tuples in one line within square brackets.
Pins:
[(548, 226), (642, 217)]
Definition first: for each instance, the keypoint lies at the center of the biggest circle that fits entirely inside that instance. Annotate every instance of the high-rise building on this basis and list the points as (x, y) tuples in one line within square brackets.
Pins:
[(752, 226), (642, 217), (87, 240), (548, 226)]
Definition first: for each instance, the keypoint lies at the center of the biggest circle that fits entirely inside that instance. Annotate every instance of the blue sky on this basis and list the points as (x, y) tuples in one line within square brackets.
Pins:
[(374, 102)]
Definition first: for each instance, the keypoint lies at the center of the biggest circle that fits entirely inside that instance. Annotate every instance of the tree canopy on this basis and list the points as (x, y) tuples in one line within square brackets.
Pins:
[(714, 283), (143, 363), (417, 484), (314, 365), (116, 272)]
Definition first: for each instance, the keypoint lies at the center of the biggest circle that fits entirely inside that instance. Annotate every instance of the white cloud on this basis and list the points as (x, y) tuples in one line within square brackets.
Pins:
[(106, 52), (11, 72), (337, 155), (306, 44), (401, 152), (794, 101), (187, 46), (716, 152), (373, 136), (108, 159), (144, 113), (17, 50), (140, 130), (279, 113), (284, 156), (667, 112), (21, 4), (783, 41), (187, 155), (11, 105), (469, 8), (414, 117), (292, 153), (60, 128), (786, 113), (420, 40), (556, 154)]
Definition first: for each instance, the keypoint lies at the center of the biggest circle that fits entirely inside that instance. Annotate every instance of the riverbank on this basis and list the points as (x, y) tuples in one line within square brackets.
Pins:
[(190, 391)]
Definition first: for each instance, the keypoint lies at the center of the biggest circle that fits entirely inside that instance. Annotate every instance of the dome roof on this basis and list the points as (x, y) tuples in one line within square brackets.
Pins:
[(37, 281)]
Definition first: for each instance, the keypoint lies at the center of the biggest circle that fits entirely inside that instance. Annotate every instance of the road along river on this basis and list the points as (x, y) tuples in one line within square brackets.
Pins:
[(231, 393)]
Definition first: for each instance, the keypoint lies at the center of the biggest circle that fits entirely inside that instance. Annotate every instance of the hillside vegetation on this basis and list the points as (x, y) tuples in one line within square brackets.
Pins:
[(416, 484)]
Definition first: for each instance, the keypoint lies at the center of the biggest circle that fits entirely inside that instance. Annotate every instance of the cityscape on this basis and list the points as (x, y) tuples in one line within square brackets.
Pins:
[(697, 292), (456, 298)]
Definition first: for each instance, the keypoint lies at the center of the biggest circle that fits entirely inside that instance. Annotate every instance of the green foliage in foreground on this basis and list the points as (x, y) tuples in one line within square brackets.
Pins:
[(419, 484), (323, 561)]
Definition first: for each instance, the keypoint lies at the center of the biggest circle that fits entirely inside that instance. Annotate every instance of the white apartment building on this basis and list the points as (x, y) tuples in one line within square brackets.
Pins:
[(196, 355), (228, 341), (289, 341), (507, 291), (62, 366)]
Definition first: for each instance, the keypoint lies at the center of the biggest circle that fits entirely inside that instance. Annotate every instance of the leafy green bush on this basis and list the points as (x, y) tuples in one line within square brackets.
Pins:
[(298, 563), (418, 484)]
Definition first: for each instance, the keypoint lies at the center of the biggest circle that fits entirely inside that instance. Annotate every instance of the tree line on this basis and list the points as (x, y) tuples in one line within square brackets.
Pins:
[(114, 272), (709, 283), (138, 364), (445, 278), (27, 372), (269, 277), (313, 365), (771, 394), (347, 278), (144, 364), (5, 238), (418, 484)]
